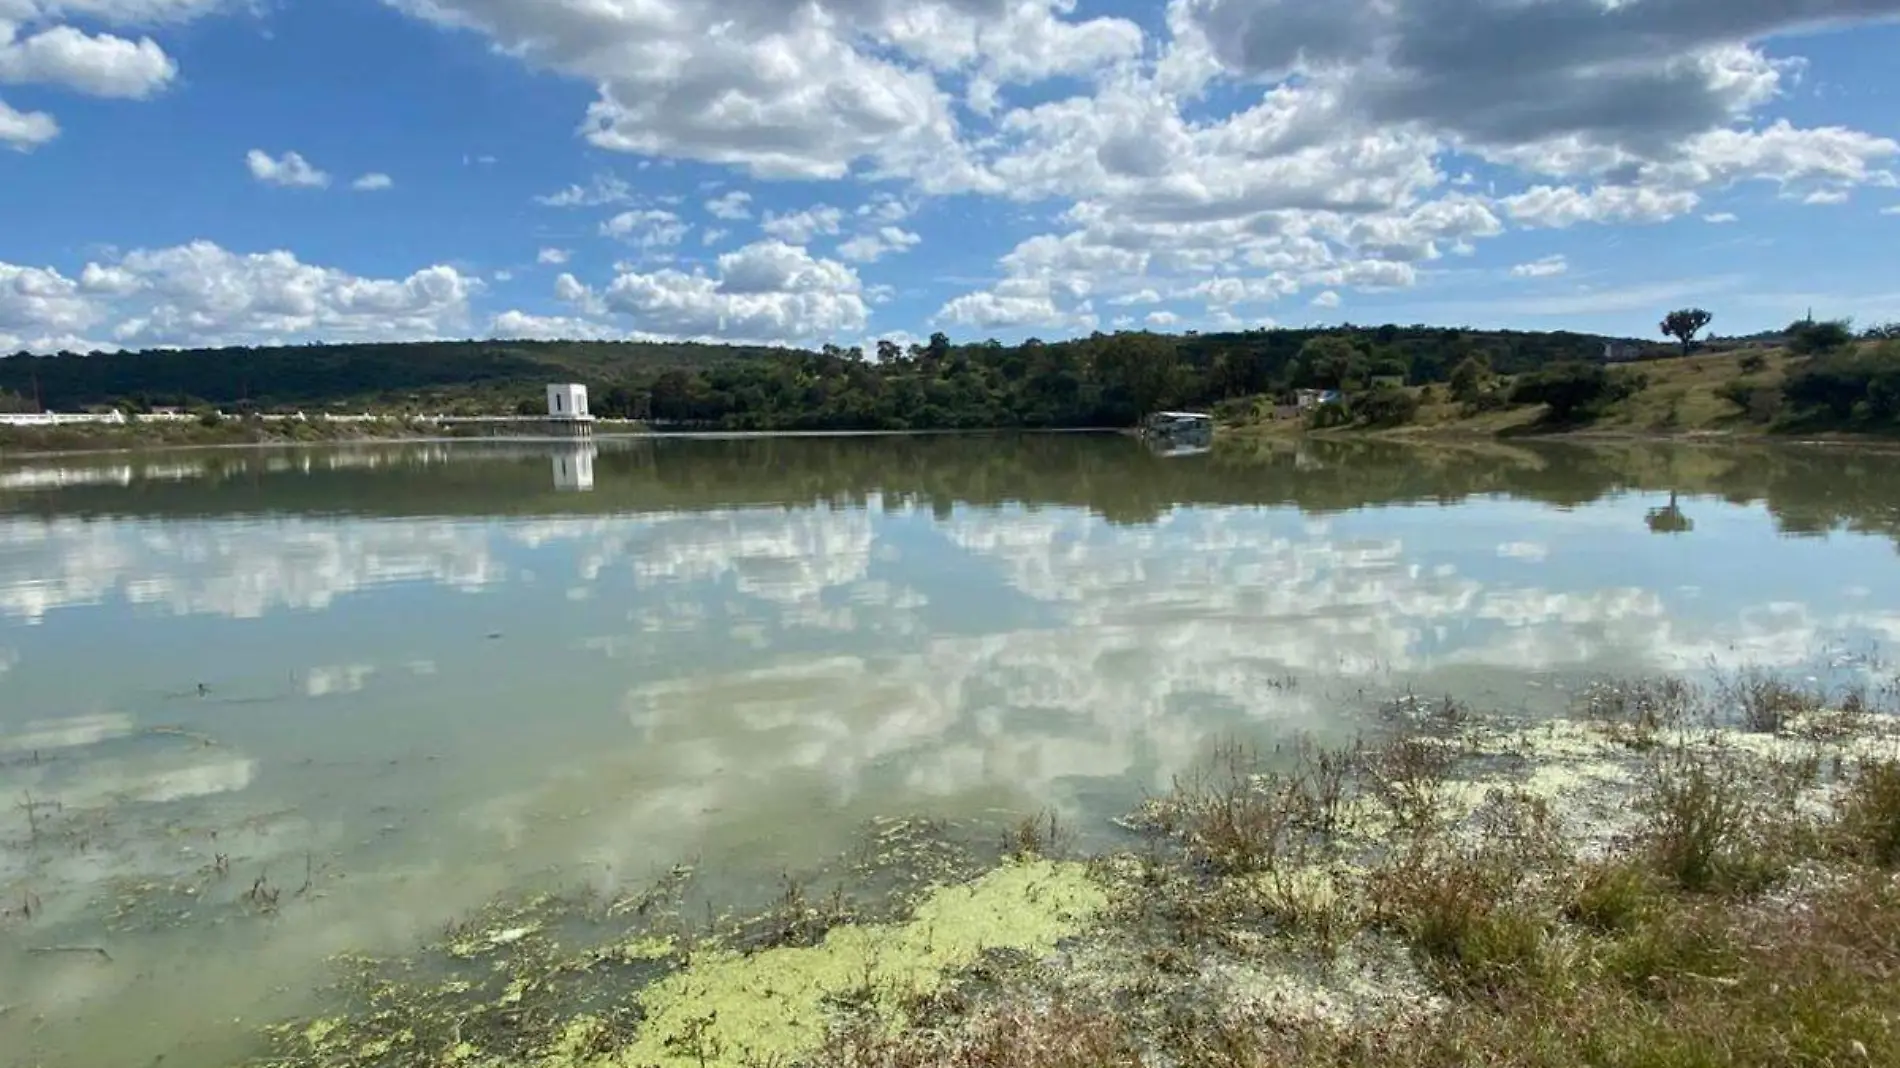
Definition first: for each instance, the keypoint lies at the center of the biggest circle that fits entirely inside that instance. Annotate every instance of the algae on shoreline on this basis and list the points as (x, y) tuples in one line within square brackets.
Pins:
[(1451, 890), (726, 1008)]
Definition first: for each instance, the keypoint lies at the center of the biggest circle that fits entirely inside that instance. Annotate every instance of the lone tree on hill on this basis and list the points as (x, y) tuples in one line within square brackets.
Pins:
[(1683, 324)]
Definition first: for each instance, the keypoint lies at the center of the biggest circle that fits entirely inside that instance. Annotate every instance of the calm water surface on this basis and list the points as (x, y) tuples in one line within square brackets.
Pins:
[(393, 683)]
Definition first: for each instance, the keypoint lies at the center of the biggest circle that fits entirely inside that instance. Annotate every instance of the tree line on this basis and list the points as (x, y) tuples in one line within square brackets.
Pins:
[(1100, 380)]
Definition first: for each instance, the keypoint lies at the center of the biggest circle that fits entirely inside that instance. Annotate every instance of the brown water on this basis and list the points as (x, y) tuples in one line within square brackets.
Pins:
[(435, 674)]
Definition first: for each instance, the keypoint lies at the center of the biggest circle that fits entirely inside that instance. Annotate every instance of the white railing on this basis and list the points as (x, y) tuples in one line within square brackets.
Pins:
[(58, 418)]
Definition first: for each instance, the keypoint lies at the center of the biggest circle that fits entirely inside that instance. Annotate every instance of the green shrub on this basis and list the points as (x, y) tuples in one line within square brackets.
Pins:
[(1236, 410), (1760, 403), (1861, 387), (1387, 407), (1575, 392), (1468, 379), (1809, 338), (1753, 363), (1740, 393), (1331, 414), (1490, 400)]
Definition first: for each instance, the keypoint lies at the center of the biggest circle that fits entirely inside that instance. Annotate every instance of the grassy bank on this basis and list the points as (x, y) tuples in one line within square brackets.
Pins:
[(162, 435), (1725, 395), (1670, 878)]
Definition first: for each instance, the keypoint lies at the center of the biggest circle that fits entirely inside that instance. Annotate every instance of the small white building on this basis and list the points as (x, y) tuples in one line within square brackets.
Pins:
[(567, 401)]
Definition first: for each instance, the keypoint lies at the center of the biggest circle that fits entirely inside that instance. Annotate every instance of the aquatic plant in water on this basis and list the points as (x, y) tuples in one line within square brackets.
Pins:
[(725, 1008)]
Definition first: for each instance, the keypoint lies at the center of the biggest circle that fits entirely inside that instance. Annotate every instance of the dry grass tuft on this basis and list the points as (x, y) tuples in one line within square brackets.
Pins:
[(1407, 778), (1636, 713), (1869, 825), (1768, 703), (1700, 814), (1056, 1036), (1612, 897), (1041, 835)]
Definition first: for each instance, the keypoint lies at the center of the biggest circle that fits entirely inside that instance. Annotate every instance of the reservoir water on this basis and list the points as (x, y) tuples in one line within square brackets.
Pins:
[(259, 708)]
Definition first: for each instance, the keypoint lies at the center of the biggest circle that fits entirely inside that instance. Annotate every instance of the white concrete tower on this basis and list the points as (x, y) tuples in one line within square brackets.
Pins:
[(567, 401)]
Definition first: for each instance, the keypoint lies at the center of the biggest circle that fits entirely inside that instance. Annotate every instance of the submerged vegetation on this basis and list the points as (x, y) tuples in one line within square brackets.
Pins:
[(1671, 877)]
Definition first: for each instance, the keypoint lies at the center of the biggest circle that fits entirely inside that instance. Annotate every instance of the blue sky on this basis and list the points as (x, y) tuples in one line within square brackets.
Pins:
[(181, 172)]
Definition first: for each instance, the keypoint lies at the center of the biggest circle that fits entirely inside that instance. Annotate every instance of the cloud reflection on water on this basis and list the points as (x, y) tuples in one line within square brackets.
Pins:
[(443, 717)]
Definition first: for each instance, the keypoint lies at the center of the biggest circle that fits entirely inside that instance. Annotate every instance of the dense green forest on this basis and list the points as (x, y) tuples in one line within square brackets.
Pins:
[(1102, 380)]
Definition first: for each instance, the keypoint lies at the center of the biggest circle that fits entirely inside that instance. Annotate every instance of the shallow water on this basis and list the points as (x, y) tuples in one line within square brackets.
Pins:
[(261, 707)]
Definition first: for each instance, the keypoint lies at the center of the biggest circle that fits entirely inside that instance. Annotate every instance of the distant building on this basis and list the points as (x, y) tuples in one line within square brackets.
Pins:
[(1388, 381), (1308, 399), (1179, 428), (567, 401), (1617, 352)]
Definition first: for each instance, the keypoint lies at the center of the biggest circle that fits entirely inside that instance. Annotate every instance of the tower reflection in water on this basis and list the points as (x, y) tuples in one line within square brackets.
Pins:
[(574, 468)]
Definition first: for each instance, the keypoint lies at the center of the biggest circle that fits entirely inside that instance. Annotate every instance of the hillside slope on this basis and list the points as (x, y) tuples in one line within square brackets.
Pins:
[(765, 388), (1732, 394)]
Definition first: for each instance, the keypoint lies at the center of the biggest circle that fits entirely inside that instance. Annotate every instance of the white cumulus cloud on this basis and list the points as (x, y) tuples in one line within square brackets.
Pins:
[(652, 228), (96, 64), (1220, 157), (1545, 268), (290, 170), (766, 292), (601, 190), (871, 247), (731, 206), (24, 131), (800, 227), (200, 294), (518, 325), (1560, 207)]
